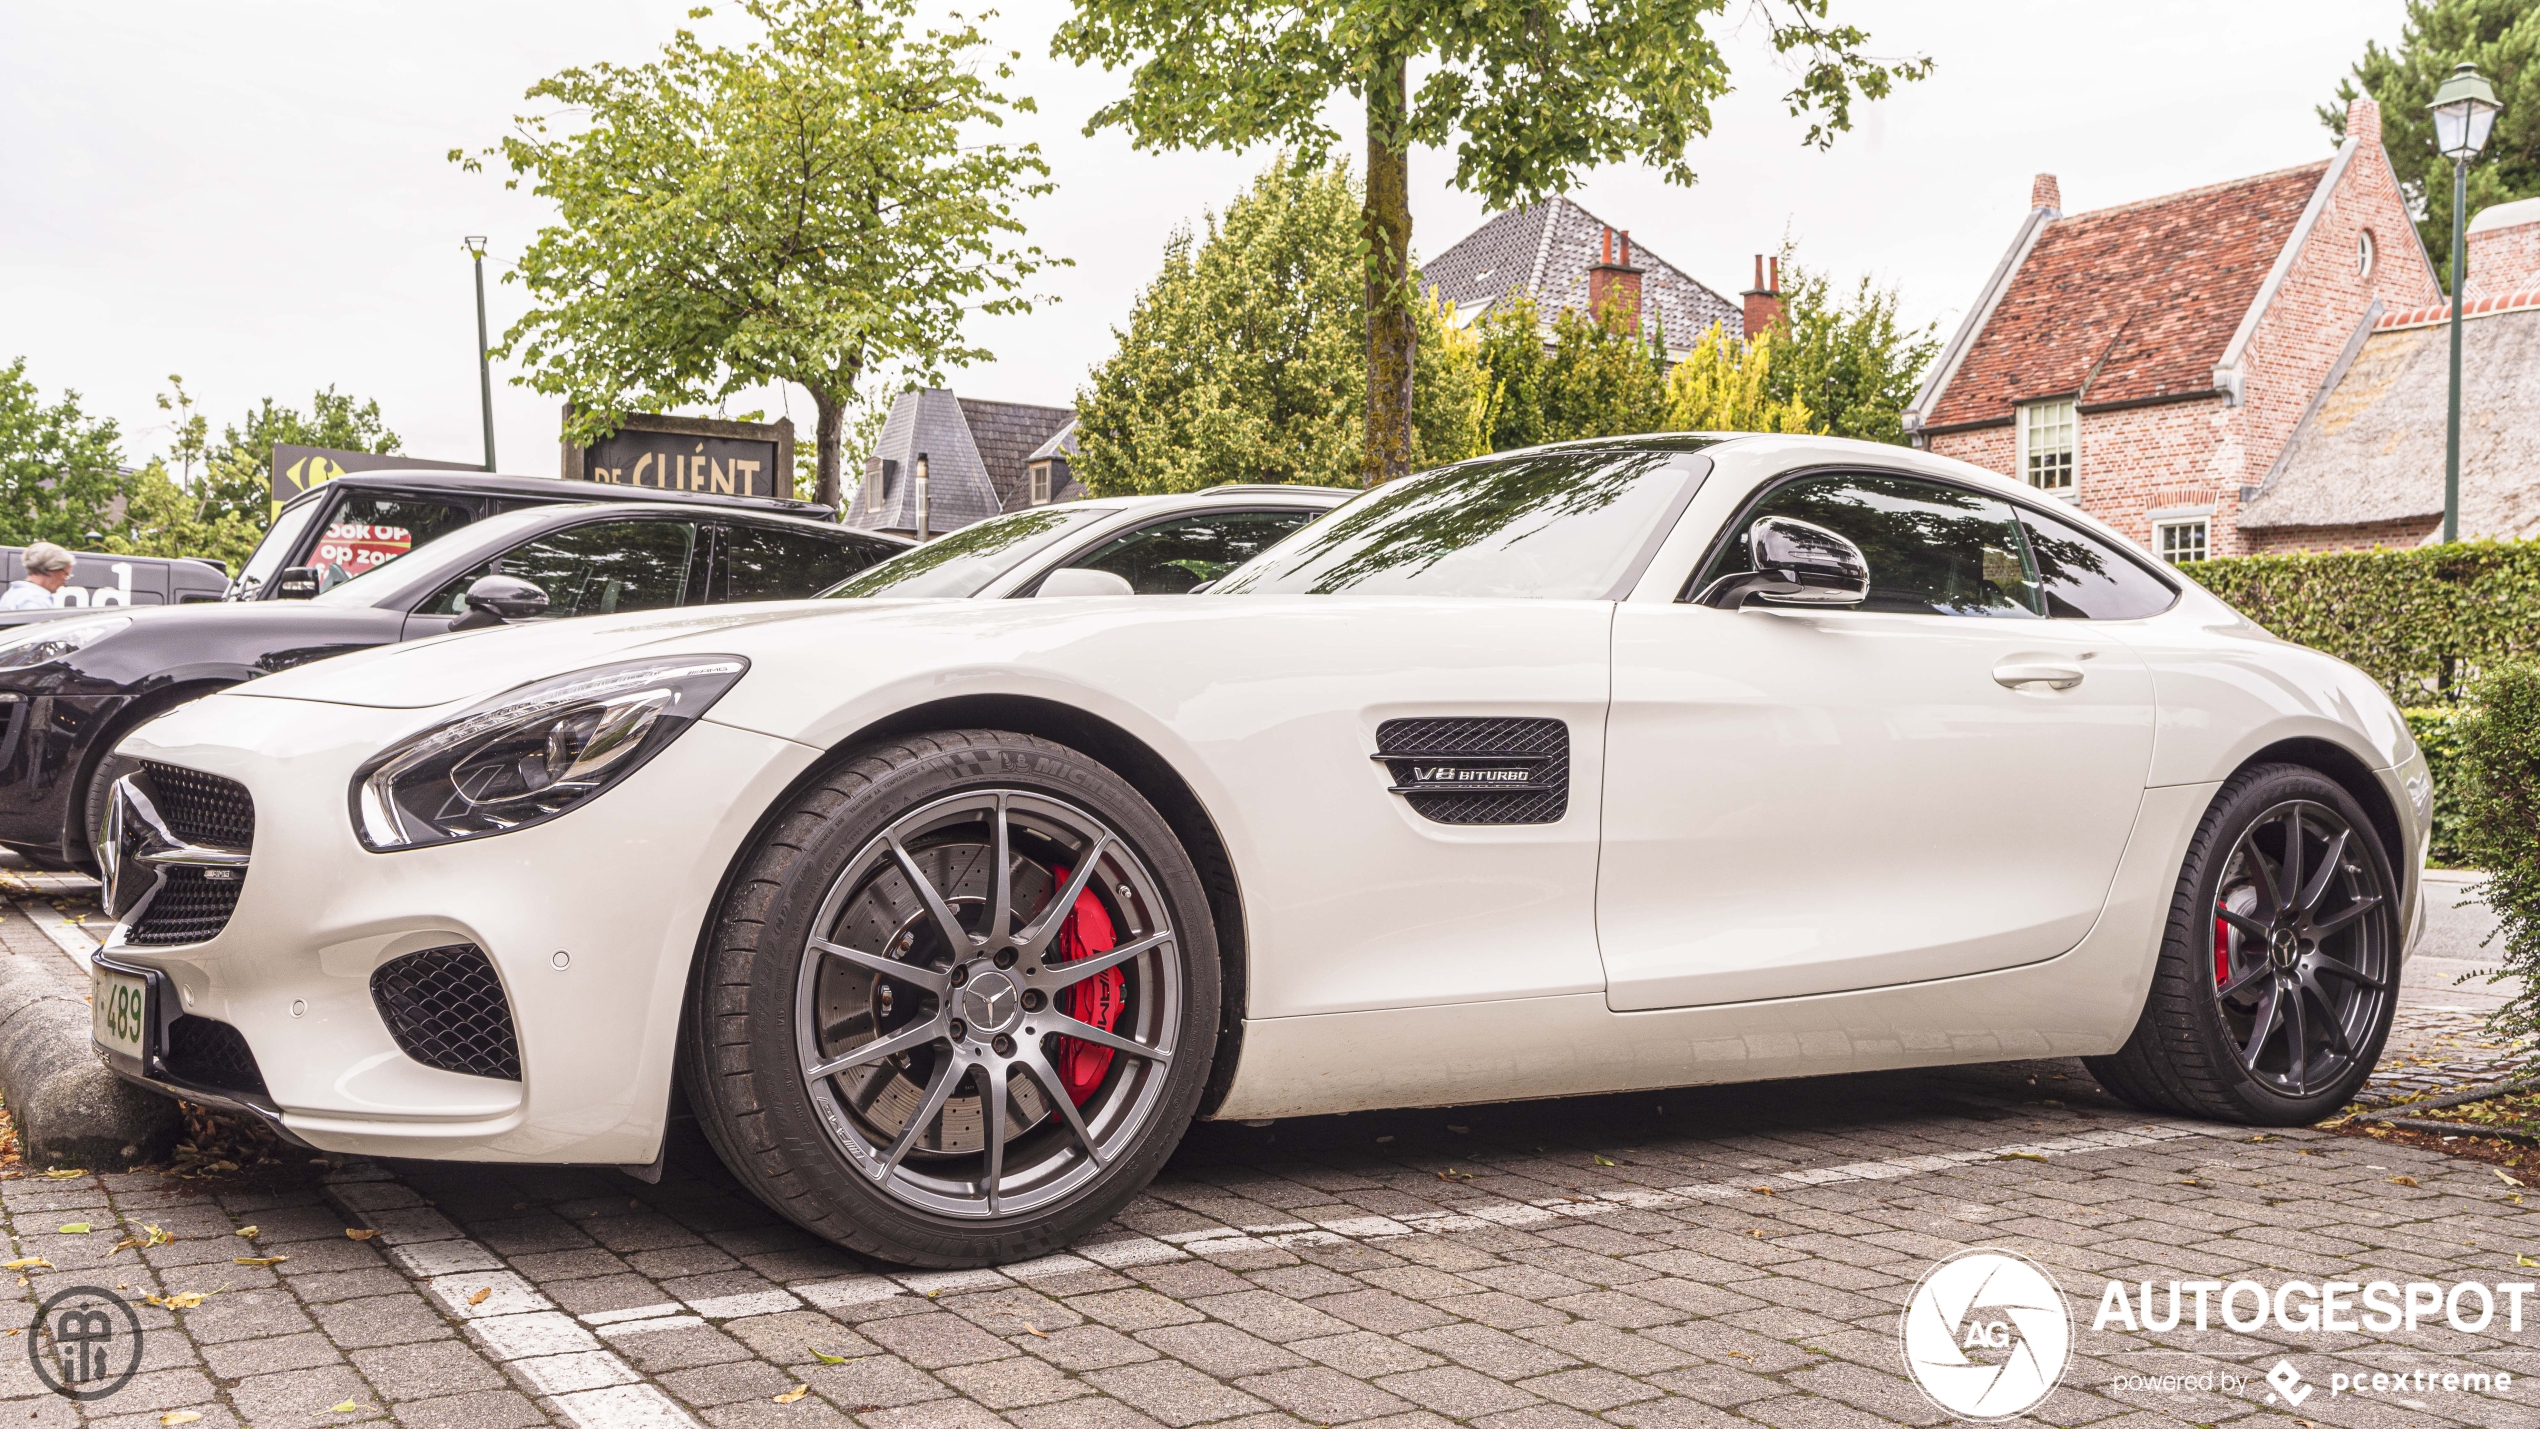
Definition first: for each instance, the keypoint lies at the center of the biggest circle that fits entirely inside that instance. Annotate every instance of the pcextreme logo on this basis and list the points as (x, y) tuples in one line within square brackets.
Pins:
[(1987, 1334)]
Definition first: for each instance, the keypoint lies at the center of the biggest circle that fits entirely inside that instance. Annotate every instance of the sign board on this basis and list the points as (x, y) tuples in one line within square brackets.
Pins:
[(297, 469), (690, 454)]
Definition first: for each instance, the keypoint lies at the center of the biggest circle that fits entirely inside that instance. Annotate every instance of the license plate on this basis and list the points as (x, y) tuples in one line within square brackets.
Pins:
[(118, 1006)]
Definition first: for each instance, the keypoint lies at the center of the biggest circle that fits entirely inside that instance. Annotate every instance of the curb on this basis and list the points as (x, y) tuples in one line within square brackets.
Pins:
[(69, 1110)]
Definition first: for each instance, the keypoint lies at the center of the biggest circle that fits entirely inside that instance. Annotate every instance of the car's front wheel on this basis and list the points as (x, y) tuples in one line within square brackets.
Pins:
[(960, 1002), (2279, 971)]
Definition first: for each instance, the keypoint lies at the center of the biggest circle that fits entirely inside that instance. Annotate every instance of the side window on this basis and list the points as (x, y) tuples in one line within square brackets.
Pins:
[(2086, 578), (1170, 557), (773, 563), (1933, 549), (603, 568), (370, 529)]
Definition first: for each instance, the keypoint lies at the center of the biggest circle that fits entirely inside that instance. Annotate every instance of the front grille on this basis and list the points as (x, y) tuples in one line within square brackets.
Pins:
[(191, 907), (203, 808), (210, 1053), (446, 1008), (1545, 742)]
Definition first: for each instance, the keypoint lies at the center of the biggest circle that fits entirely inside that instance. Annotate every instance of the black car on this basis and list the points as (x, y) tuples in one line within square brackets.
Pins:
[(73, 682), (359, 520)]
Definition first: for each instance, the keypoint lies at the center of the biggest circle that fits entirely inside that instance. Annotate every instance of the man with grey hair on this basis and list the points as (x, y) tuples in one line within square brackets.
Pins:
[(48, 569)]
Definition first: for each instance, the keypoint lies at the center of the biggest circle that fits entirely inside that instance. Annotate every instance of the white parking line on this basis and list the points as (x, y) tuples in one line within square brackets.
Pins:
[(74, 941)]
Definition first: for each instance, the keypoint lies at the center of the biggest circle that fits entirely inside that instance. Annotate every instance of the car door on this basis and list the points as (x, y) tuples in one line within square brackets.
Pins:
[(607, 567), (773, 562), (1806, 800), (1169, 557)]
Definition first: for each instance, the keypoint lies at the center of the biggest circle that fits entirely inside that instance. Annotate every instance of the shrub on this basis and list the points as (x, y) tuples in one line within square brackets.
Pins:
[(2423, 620), (2437, 731), (2497, 794)]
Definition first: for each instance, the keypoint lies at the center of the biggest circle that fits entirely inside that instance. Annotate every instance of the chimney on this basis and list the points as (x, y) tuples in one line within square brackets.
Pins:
[(2363, 122), (1764, 300), (2043, 193), (1614, 284)]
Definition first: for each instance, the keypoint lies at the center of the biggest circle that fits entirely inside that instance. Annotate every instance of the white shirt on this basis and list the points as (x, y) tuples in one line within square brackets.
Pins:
[(27, 595)]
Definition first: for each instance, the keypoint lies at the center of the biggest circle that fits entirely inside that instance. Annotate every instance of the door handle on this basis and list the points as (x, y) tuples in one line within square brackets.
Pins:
[(2017, 674)]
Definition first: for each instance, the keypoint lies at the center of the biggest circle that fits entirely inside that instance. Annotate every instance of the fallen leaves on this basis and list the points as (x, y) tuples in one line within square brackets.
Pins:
[(64, 1173), (791, 1395), (31, 1262), (248, 1232), (350, 1406), (1451, 1174), (2403, 1180), (481, 1296), (1741, 1354), (352, 1234), (150, 1236), (825, 1357), (74, 1228), (1599, 1160), (1762, 1191), (179, 1416), (2504, 1176), (2021, 1156), (186, 1300), (258, 1259), (1034, 1330)]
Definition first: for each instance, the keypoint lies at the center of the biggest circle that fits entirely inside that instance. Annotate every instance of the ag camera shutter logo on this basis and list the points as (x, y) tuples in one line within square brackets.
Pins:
[(1987, 1334)]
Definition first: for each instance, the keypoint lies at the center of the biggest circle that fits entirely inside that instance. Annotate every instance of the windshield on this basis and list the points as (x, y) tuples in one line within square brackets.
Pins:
[(963, 563), (1555, 526), (280, 541)]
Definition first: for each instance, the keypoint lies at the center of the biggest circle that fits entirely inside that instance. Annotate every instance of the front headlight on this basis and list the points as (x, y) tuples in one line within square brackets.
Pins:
[(43, 641), (532, 753)]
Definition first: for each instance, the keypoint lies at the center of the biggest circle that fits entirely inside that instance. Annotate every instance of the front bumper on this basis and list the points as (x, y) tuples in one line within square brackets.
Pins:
[(616, 892), (160, 1009)]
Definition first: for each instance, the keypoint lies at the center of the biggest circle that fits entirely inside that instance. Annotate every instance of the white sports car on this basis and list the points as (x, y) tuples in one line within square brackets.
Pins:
[(1621, 764)]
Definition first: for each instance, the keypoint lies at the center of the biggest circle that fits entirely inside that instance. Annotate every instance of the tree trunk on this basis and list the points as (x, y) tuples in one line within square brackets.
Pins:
[(1391, 336), (829, 433)]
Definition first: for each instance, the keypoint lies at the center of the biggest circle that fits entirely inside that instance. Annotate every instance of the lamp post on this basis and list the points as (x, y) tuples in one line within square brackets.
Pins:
[(2464, 111), (921, 496), (474, 243)]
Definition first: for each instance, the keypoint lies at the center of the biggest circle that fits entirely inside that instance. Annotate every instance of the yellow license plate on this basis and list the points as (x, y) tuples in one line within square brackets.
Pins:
[(117, 1006)]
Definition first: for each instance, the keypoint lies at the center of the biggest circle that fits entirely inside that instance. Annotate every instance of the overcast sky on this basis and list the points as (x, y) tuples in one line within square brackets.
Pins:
[(254, 194)]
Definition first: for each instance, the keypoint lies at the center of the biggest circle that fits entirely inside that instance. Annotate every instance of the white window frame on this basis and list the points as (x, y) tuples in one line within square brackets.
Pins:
[(1038, 474), (2202, 525), (2034, 417)]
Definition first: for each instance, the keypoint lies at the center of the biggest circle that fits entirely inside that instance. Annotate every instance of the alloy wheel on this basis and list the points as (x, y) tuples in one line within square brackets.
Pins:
[(986, 1005), (2305, 958)]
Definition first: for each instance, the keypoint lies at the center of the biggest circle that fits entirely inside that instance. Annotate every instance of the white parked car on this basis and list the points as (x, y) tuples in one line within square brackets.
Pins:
[(1622, 764)]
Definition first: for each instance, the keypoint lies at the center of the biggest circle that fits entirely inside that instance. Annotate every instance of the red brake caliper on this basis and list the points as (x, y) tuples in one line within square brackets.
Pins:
[(1096, 1001), (2222, 952)]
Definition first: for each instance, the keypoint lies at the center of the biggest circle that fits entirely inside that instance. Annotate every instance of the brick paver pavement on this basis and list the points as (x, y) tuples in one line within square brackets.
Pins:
[(1713, 1257)]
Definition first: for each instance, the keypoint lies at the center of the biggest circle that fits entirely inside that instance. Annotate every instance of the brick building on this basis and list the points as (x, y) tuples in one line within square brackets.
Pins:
[(2150, 361)]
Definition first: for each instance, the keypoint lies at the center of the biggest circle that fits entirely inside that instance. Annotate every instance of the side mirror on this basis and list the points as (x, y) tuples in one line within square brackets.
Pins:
[(1796, 563), (492, 600), (297, 583), (1079, 580)]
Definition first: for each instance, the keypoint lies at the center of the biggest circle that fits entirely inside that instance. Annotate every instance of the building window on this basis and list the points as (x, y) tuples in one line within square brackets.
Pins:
[(2363, 253), (1040, 483), (2182, 541), (2046, 445), (890, 477)]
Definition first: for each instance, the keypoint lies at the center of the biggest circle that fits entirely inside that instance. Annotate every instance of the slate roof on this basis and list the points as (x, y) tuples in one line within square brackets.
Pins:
[(1007, 433), (1061, 449), (1546, 249), (958, 488), (2371, 449), (2130, 304)]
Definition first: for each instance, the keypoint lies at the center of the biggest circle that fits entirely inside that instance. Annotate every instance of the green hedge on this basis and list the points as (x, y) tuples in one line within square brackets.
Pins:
[(2422, 620), (2438, 732), (2496, 760)]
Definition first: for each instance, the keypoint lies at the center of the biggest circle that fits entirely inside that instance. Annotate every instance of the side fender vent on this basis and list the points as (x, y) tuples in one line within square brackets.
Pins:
[(446, 1008), (1479, 771)]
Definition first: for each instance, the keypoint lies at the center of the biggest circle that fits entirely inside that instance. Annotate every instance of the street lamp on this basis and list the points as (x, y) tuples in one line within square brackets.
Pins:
[(474, 243), (2464, 111), (921, 496)]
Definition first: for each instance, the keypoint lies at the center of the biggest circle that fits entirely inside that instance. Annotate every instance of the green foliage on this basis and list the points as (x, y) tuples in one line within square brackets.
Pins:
[(1529, 96), (2421, 620), (814, 206), (1854, 365), (2498, 798), (220, 497), (1590, 379), (1246, 358), (1728, 385), (2501, 37), (58, 465), (2437, 730)]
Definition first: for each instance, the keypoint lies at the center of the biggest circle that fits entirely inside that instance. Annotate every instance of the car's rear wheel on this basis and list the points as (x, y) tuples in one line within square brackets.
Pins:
[(2279, 971), (960, 1003)]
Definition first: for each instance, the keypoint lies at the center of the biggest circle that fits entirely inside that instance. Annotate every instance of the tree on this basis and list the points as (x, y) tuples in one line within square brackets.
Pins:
[(1244, 360), (1530, 95), (1727, 384), (2501, 37), (236, 476), (59, 467), (806, 209), (1853, 366)]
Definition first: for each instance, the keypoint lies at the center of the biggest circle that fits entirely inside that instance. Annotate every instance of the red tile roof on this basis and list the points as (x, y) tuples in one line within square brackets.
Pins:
[(2129, 304)]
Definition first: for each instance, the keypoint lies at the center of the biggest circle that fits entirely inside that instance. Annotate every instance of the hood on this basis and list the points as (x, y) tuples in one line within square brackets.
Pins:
[(475, 663)]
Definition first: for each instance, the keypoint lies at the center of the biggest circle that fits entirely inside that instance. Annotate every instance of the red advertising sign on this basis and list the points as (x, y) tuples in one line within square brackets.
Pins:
[(359, 545)]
